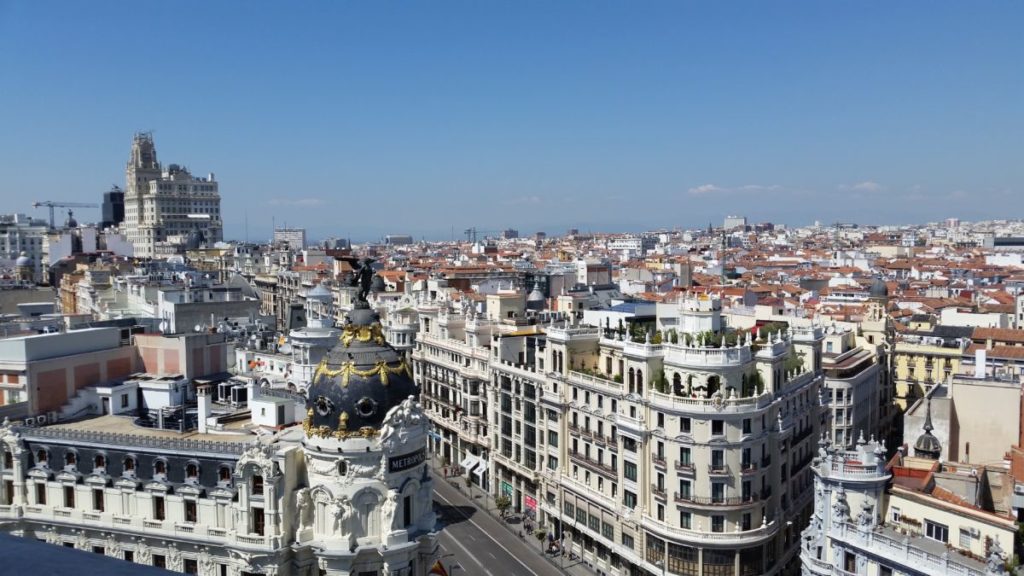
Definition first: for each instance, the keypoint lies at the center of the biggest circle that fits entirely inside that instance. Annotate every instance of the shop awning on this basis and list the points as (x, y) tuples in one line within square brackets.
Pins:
[(469, 462)]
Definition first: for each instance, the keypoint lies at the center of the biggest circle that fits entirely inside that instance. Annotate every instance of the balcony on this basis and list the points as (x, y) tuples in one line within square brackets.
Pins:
[(718, 469), (593, 465), (735, 405), (658, 492), (684, 467), (658, 461), (685, 498), (748, 468)]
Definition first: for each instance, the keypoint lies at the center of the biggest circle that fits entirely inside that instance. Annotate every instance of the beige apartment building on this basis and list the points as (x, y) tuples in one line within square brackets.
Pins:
[(682, 453)]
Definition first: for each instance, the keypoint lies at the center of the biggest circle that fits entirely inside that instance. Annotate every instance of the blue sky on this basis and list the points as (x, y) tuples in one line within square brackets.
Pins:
[(366, 118)]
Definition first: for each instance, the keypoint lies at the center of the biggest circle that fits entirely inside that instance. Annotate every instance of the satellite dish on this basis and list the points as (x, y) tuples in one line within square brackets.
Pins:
[(199, 327)]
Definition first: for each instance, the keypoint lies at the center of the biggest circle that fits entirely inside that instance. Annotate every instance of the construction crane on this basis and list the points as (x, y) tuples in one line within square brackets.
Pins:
[(51, 205), (472, 232)]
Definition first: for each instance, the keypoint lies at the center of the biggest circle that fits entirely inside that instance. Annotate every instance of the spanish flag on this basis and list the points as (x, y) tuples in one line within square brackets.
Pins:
[(438, 569)]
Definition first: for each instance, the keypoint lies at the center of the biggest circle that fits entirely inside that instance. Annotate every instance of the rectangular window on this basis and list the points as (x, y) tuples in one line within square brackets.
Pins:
[(629, 499), (965, 538), (746, 425), (594, 523), (69, 496), (553, 439), (718, 523), (581, 515), (684, 425), (896, 514), (570, 510), (97, 500), (718, 460), (159, 561), (661, 513), (257, 521), (158, 508), (129, 556), (628, 542), (684, 455), (685, 519), (191, 566), (717, 427), (718, 492), (608, 531), (684, 489), (629, 470), (190, 511), (936, 531), (40, 493)]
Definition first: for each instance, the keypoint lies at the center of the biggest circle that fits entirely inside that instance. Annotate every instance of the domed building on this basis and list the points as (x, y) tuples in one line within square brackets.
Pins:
[(367, 504), (24, 268), (927, 445)]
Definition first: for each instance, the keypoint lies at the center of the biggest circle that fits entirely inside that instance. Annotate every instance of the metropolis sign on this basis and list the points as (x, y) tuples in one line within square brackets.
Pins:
[(406, 461)]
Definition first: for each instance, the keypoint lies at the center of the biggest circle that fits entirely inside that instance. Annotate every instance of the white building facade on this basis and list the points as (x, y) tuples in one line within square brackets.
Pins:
[(165, 206)]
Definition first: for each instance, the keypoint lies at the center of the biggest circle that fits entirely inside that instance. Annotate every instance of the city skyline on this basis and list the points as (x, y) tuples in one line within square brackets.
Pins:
[(540, 118)]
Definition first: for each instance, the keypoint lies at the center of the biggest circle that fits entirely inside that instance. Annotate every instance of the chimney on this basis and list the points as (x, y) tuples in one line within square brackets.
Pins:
[(203, 396)]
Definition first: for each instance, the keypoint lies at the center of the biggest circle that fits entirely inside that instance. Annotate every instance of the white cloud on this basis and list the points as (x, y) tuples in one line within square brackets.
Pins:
[(302, 202), (705, 189), (865, 186)]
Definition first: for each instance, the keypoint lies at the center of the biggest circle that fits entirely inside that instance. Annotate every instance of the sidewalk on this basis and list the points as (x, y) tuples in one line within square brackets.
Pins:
[(514, 523)]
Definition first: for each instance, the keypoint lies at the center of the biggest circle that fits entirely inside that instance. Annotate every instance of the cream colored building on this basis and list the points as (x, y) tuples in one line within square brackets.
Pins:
[(908, 516), (166, 204)]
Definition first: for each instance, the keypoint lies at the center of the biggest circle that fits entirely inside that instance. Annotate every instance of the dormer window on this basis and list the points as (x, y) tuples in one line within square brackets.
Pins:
[(100, 462), (70, 459), (129, 465), (224, 474), (191, 471), (160, 467)]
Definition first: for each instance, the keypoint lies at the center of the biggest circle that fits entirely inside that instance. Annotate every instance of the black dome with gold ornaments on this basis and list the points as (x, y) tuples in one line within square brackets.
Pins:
[(359, 380)]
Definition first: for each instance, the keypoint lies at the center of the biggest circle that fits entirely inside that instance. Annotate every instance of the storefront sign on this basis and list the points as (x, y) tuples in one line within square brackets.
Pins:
[(506, 489), (406, 461), (531, 502)]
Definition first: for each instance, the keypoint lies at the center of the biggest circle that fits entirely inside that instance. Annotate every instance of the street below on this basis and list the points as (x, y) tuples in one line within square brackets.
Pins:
[(475, 543)]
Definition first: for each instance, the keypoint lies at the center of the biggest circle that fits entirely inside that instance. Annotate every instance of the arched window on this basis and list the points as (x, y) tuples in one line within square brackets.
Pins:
[(224, 474), (639, 381), (677, 384), (631, 380), (70, 458), (8, 459), (99, 462), (714, 382), (41, 456), (257, 485), (191, 471), (129, 464), (160, 467)]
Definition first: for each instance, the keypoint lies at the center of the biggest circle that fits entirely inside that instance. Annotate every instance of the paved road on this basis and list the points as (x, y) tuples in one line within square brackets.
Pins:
[(476, 544)]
